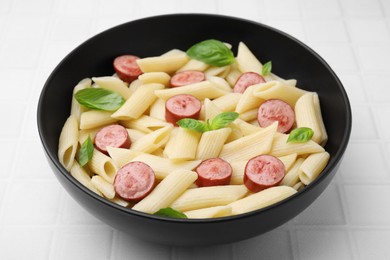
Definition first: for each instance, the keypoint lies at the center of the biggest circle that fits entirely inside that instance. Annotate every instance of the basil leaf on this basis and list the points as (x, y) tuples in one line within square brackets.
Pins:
[(192, 124), (170, 212), (222, 120), (266, 68), (86, 151), (300, 135), (212, 52), (99, 99)]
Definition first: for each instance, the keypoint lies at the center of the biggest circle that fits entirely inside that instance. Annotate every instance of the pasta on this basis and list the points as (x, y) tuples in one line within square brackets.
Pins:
[(175, 154)]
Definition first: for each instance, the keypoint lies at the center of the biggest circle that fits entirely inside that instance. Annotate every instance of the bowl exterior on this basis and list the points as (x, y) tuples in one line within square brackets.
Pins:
[(154, 36)]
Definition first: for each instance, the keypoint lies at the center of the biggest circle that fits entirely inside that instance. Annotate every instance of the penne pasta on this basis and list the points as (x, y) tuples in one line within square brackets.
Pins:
[(135, 85), (246, 60), (165, 63), (151, 142), (157, 109), (68, 142), (183, 146), (217, 71), (134, 134), (313, 166), (292, 176), (205, 197), (280, 147), (288, 160), (95, 118), (83, 177), (211, 212), (167, 191), (233, 76), (238, 172), (211, 143), (210, 109), (84, 133), (220, 82), (246, 128), (107, 189), (194, 65), (227, 102), (113, 84), (103, 165), (145, 124), (155, 77), (76, 109), (122, 156), (248, 101), (249, 115)]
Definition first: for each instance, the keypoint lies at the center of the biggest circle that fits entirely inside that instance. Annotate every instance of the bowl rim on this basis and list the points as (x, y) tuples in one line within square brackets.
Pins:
[(331, 165)]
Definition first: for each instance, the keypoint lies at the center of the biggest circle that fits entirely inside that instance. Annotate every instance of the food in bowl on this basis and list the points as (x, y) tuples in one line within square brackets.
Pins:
[(196, 134)]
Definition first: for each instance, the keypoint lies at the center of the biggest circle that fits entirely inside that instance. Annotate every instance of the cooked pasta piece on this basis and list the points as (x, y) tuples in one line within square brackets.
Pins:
[(211, 212), (84, 133), (313, 166), (103, 165), (292, 176), (246, 128), (165, 63), (120, 202), (248, 101), (134, 134), (183, 146), (135, 85), (210, 109), (77, 109), (249, 115), (68, 142), (299, 186), (157, 109), (167, 191), (280, 147), (220, 82), (95, 118), (114, 84), (194, 65), (261, 199), (145, 124), (308, 114), (138, 102), (246, 60), (227, 102), (155, 77), (217, 71), (249, 146), (173, 52), (83, 177), (162, 167), (211, 196), (107, 189), (211, 143), (288, 160), (122, 156), (151, 142), (233, 76), (278, 90), (238, 172), (200, 90)]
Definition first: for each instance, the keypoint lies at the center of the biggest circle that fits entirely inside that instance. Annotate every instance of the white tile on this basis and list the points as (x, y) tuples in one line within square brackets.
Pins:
[(363, 126), (17, 90), (367, 204), (39, 198), (5, 6), (87, 243), (283, 8), (275, 244), (30, 129), (338, 56), (206, 252), (125, 246), (363, 161), (121, 7), (361, 8), (382, 118), (353, 86), (73, 214), (321, 8), (17, 54), (107, 22), (3, 186), (191, 7), (25, 243), (38, 7), (54, 52), (14, 129), (249, 10), (151, 7), (326, 31), (368, 30), (376, 86), (326, 210), (292, 27), (7, 155), (386, 6), (372, 244), (85, 7), (323, 244), (374, 57), (27, 27), (76, 28)]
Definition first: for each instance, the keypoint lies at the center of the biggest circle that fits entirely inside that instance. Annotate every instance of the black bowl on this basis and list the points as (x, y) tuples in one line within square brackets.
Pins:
[(154, 36)]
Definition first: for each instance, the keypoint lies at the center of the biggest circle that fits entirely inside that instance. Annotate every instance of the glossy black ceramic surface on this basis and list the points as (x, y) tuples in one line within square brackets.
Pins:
[(154, 36)]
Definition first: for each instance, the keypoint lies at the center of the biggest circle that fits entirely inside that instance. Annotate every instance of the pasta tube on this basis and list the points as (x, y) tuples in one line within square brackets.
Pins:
[(211, 212), (83, 177), (313, 166), (113, 84), (68, 142)]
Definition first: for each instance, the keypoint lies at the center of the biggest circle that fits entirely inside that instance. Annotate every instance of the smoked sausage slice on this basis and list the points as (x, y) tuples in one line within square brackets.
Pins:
[(127, 68), (182, 106), (276, 110), (246, 80), (113, 136), (186, 77), (134, 181), (213, 172), (262, 172)]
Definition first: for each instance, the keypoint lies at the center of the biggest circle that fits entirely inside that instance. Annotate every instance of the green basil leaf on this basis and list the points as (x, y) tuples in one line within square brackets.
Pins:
[(222, 120), (266, 68), (99, 99), (192, 124), (212, 52), (170, 212), (86, 151), (300, 135)]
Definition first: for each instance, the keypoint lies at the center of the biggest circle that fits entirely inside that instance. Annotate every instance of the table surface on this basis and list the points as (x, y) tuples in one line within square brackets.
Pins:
[(351, 219)]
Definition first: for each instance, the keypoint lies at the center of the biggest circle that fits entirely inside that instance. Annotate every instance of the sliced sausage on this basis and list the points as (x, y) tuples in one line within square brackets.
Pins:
[(246, 80), (182, 106), (276, 110), (113, 136), (213, 172), (262, 172), (134, 181), (127, 68), (186, 77)]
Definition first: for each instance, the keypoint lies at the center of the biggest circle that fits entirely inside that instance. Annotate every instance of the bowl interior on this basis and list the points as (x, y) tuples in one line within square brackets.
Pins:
[(156, 35)]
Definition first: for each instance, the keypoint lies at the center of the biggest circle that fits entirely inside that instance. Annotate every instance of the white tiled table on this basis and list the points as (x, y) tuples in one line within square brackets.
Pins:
[(351, 220)]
